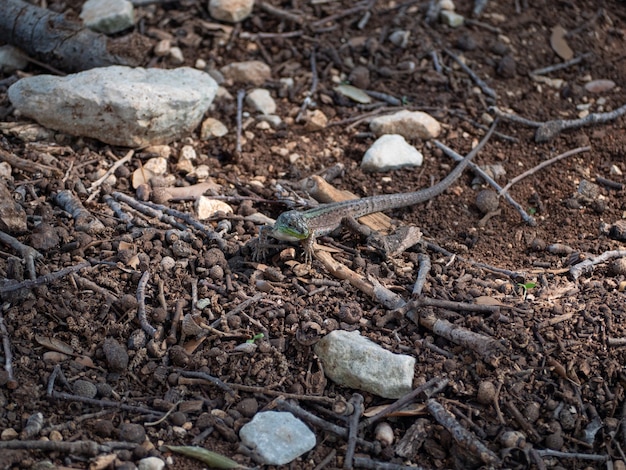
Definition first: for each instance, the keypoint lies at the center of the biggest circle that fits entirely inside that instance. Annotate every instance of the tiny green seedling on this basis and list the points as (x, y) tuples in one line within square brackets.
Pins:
[(526, 287), (255, 337)]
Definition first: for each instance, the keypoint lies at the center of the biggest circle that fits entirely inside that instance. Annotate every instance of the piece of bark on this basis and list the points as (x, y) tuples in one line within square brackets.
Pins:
[(325, 193), (65, 45)]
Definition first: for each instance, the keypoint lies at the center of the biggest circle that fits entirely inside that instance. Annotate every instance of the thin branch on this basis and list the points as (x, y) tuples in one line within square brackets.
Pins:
[(543, 164)]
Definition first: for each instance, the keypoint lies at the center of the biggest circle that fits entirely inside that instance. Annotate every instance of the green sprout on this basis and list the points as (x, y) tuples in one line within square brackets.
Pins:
[(526, 287), (255, 337)]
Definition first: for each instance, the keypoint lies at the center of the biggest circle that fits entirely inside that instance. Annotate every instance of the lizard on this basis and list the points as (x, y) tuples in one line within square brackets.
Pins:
[(306, 226)]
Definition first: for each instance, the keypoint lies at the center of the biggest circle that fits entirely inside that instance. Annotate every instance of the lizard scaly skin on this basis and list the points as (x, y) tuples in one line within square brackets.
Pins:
[(305, 226)]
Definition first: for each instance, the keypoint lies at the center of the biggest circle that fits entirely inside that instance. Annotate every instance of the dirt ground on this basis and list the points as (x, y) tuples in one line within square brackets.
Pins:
[(551, 396)]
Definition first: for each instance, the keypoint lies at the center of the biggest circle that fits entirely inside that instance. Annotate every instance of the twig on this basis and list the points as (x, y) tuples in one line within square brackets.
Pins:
[(526, 217), (450, 305), (240, 96), (483, 345), (92, 401), (543, 164), (141, 307), (117, 210), (561, 66), (364, 462), (428, 389), (483, 86), (280, 13), (84, 221), (96, 184), (29, 166), (314, 81), (461, 435), (209, 378), (28, 253), (45, 279), (239, 308), (85, 448), (424, 269), (586, 266), (572, 455), (350, 11), (8, 356), (168, 216), (353, 428), (548, 130)]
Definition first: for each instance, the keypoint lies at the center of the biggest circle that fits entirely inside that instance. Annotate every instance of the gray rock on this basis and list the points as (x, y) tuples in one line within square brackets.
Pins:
[(409, 124), (354, 361), (118, 105), (108, 16), (276, 437), (254, 72), (450, 18), (390, 152), (260, 100)]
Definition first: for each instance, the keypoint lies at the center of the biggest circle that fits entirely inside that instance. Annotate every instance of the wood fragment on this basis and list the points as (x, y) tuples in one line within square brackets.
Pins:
[(462, 436)]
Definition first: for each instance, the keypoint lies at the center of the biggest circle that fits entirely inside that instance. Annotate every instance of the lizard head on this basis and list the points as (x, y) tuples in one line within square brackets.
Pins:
[(291, 227)]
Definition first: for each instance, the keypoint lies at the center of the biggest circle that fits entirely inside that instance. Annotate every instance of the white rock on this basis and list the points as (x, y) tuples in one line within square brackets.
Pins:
[(260, 100), (390, 152), (254, 72), (6, 171), (212, 128), (187, 153), (277, 437), (316, 120), (409, 124), (232, 11), (274, 120), (12, 59), (162, 47), (351, 360), (151, 463), (446, 5), (207, 207), (118, 105), (176, 55), (157, 165), (108, 16), (450, 18)]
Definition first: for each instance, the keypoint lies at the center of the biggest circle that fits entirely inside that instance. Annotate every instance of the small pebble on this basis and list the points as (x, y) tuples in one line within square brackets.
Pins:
[(115, 354), (513, 439), (487, 201), (384, 434), (486, 392), (84, 388), (131, 432), (248, 407)]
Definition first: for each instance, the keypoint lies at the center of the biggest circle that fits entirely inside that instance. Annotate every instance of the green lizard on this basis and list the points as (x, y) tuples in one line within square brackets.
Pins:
[(305, 226)]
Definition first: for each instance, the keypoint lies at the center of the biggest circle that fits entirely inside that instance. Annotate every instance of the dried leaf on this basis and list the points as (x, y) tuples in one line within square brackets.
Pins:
[(354, 93), (54, 345), (559, 44), (412, 409), (212, 459)]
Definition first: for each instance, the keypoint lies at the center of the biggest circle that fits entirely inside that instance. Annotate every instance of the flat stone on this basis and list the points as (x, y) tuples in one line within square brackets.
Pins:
[(390, 152), (277, 437), (108, 16), (353, 361), (409, 124), (232, 11), (131, 107), (450, 18), (254, 72)]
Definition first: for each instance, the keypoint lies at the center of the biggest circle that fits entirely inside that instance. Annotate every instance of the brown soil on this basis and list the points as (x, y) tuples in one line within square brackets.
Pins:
[(558, 372)]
